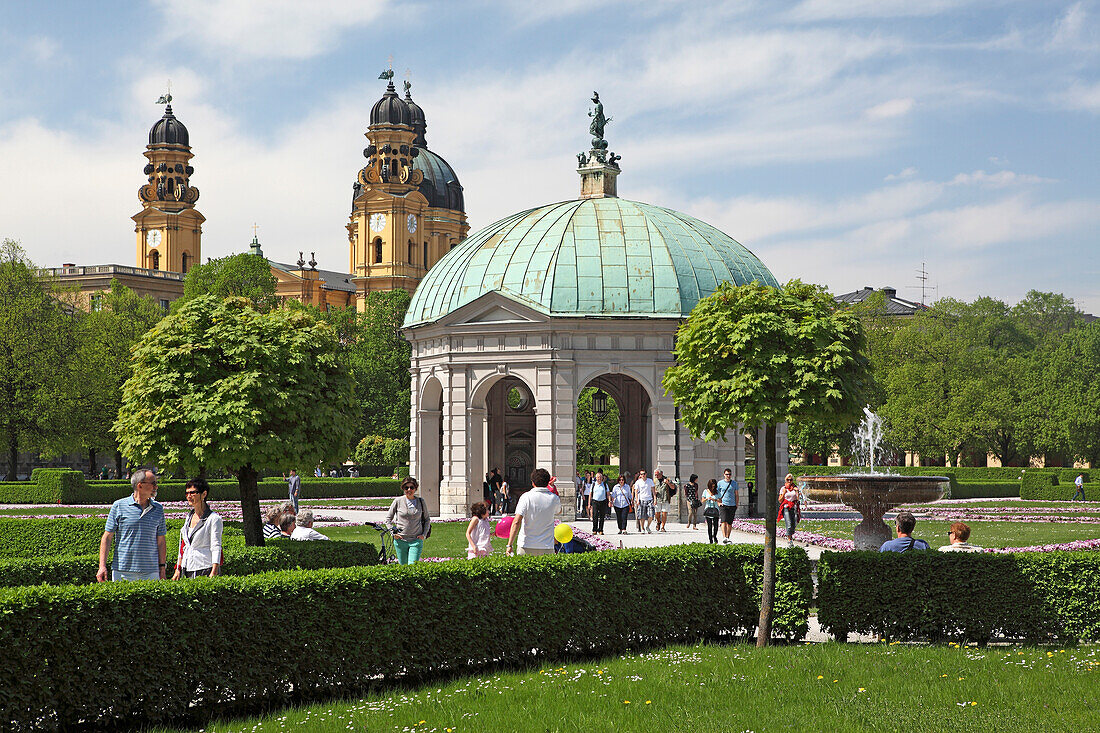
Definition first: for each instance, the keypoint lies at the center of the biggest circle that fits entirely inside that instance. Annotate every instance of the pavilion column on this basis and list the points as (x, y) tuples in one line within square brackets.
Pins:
[(556, 430), (453, 488), (426, 457), (476, 418)]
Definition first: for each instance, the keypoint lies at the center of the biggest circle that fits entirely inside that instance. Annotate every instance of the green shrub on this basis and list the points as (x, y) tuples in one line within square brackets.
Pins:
[(239, 560), (1069, 475), (61, 669), (610, 471), (985, 489), (962, 596), (24, 492), (1042, 485), (41, 471), (60, 537)]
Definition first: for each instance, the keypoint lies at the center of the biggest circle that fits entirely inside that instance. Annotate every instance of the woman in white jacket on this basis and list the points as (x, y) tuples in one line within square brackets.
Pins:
[(201, 535)]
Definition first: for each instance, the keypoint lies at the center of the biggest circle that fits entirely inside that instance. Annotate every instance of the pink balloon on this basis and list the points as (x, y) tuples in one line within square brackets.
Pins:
[(504, 527)]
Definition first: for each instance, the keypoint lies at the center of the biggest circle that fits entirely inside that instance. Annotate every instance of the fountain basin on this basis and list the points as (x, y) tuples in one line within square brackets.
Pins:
[(872, 495)]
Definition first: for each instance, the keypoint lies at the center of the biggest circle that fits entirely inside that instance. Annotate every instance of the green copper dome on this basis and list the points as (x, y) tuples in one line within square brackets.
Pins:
[(596, 257)]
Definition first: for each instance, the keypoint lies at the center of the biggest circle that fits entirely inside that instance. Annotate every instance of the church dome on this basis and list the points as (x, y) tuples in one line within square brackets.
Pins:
[(390, 109), (416, 115), (440, 185), (168, 130), (594, 257)]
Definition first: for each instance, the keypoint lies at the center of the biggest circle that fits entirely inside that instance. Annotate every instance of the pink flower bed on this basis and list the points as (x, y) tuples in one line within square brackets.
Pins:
[(812, 538)]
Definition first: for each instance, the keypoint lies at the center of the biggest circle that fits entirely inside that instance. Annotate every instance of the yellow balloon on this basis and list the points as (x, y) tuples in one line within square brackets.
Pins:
[(563, 533)]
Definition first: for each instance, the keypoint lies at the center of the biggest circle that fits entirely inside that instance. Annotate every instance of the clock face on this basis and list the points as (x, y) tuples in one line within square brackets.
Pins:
[(411, 223), (377, 222), (153, 238)]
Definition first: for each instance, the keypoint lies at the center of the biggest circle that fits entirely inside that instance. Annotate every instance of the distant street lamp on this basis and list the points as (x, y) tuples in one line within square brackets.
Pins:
[(599, 404)]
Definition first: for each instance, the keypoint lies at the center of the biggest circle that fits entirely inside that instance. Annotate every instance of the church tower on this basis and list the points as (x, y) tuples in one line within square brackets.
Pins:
[(169, 229), (407, 206)]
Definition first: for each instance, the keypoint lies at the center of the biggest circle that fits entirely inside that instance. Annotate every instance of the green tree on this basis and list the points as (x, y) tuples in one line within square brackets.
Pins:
[(1070, 392), (596, 437), (1046, 314), (218, 384), (242, 274), (104, 337), (756, 355), (36, 345)]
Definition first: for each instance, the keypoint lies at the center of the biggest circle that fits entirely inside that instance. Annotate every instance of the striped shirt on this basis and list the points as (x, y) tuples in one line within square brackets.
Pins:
[(136, 531)]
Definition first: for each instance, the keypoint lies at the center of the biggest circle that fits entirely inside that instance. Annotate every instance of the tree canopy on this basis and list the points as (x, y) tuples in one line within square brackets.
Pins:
[(754, 355), (242, 274), (221, 385), (596, 437)]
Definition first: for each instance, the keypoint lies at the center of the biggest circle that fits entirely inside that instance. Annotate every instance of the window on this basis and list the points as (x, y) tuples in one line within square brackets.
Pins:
[(427, 263), (412, 253), (164, 304), (96, 302), (378, 250), (186, 262), (154, 260)]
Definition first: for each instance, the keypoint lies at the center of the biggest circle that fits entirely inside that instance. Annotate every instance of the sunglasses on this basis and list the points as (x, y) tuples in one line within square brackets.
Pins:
[(192, 492)]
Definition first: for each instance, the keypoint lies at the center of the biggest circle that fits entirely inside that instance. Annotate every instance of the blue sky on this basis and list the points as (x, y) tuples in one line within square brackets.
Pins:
[(843, 141)]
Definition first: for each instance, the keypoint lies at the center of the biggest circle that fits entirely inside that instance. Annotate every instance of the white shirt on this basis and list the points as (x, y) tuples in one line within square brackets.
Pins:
[(644, 488), (537, 507), (306, 533), (1079, 481), (202, 545), (961, 547)]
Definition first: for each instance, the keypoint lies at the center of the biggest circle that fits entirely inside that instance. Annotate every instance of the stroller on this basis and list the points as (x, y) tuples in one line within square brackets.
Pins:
[(386, 555)]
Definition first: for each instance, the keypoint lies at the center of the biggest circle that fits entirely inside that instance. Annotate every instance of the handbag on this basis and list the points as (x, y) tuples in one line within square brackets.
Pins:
[(710, 511), (424, 518)]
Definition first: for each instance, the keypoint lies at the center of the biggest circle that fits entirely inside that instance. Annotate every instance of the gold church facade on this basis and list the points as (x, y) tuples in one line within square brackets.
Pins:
[(407, 211)]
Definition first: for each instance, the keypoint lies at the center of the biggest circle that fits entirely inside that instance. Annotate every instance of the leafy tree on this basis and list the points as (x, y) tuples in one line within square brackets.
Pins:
[(104, 337), (218, 384), (596, 437), (242, 274), (1046, 314), (751, 355), (378, 450), (1070, 390), (35, 348)]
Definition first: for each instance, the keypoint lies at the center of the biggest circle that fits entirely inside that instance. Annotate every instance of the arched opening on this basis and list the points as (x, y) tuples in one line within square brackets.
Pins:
[(378, 250), (427, 264), (429, 442), (154, 260), (412, 253), (510, 433), (185, 263), (624, 434)]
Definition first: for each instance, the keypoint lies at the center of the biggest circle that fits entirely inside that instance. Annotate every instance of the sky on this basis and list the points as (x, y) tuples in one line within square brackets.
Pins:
[(849, 143)]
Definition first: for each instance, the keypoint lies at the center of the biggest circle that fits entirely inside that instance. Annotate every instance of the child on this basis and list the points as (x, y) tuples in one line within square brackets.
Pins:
[(479, 533)]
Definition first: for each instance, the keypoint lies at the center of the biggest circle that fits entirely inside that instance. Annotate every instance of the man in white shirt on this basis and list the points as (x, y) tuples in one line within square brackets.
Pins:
[(1079, 482), (643, 502), (304, 529), (533, 525)]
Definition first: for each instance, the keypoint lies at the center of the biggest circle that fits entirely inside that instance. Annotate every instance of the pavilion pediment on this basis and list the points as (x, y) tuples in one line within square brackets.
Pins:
[(494, 307)]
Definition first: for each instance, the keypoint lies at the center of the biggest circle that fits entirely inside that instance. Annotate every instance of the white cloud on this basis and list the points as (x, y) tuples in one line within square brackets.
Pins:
[(259, 29), (999, 179), (891, 108), (1081, 95), (844, 9), (902, 175)]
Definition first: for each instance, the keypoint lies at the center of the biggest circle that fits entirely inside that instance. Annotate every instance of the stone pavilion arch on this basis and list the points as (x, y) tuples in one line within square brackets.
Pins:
[(636, 437), (428, 452)]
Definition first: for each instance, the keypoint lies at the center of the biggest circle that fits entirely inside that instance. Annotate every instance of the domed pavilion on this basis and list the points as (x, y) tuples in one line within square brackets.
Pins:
[(516, 320)]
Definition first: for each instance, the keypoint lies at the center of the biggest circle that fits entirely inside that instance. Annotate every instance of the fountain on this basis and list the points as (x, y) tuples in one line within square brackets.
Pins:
[(872, 494)]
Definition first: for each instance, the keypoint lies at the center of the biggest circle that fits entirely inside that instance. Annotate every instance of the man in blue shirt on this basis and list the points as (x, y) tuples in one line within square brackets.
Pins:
[(138, 522), (904, 543), (294, 486), (727, 492)]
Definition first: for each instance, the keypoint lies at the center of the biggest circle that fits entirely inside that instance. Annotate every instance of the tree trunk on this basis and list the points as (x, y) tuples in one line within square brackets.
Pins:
[(91, 462), (118, 465), (13, 455), (767, 592), (250, 506)]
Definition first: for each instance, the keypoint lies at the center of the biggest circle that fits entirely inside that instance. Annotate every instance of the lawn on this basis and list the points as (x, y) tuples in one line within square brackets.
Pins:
[(381, 503), (702, 689), (984, 534)]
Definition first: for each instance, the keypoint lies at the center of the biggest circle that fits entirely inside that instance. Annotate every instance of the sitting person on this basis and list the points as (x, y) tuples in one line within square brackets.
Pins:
[(905, 522), (959, 534), (286, 525), (271, 522), (304, 530)]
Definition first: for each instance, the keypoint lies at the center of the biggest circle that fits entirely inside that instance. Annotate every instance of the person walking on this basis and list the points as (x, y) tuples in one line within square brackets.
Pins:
[(691, 496), (727, 510), (294, 487), (479, 532), (413, 525), (137, 521), (711, 502), (622, 498), (586, 488), (597, 502), (790, 511), (495, 482), (578, 482), (533, 526), (487, 494), (505, 496), (201, 535), (643, 502), (663, 490), (1079, 482)]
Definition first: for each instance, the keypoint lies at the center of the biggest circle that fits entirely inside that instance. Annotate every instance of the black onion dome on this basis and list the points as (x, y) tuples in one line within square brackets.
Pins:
[(440, 185), (168, 130), (390, 110), (418, 122)]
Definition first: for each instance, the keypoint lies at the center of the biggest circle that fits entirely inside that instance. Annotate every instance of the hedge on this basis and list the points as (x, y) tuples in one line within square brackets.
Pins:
[(961, 596), (60, 536), (1041, 485), (69, 487), (61, 669), (985, 489), (239, 560)]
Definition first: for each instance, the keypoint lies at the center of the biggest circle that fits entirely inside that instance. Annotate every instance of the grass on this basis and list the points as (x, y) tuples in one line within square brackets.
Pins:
[(984, 534), (700, 689)]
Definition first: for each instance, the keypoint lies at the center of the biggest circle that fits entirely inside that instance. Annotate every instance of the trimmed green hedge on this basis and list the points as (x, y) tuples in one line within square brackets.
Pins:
[(61, 669), (961, 596), (1041, 485), (1069, 475), (60, 537), (609, 470), (69, 487), (985, 489), (239, 560)]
